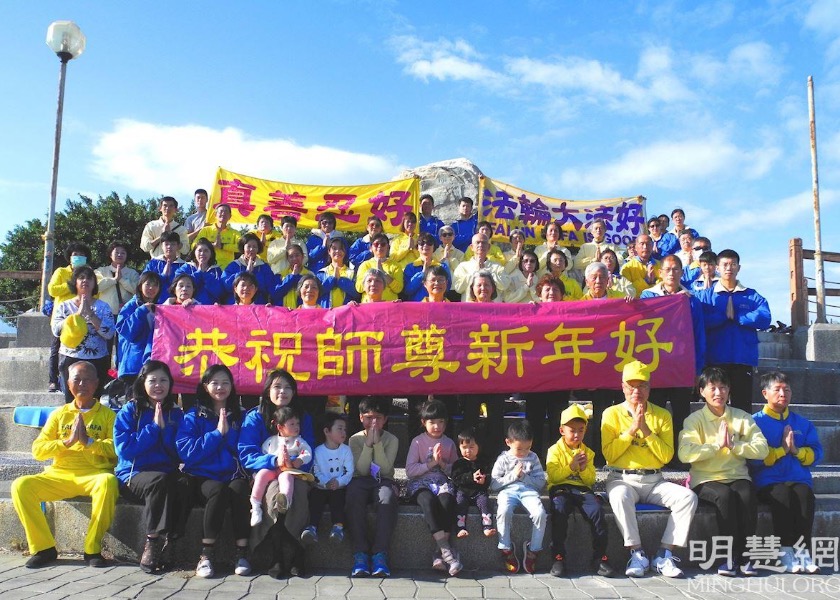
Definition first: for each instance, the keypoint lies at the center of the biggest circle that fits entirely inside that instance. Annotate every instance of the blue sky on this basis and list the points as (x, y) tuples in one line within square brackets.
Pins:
[(701, 105)]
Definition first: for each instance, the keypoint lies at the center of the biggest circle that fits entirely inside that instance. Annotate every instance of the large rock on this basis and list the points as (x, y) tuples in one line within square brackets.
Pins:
[(447, 181)]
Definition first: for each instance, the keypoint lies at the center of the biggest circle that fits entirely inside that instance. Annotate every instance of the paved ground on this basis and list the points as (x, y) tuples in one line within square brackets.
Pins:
[(69, 578)]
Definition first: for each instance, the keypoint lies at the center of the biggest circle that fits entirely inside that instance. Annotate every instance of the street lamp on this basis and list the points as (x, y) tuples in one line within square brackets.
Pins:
[(67, 41)]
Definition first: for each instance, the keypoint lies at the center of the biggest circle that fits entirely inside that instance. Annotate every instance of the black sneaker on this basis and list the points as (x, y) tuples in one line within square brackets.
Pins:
[(42, 558), (96, 561), (558, 569), (604, 568)]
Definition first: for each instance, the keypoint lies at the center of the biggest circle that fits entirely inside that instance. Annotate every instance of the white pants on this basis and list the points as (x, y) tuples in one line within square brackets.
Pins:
[(509, 498), (625, 490)]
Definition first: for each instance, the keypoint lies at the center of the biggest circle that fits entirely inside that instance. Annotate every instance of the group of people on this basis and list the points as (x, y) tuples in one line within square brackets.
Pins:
[(151, 452), (209, 452)]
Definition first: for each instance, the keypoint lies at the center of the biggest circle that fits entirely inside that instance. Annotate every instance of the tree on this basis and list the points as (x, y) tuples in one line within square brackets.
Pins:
[(96, 223)]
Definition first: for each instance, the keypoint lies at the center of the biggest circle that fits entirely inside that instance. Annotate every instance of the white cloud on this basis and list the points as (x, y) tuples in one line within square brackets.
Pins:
[(671, 164), (754, 62), (178, 158), (442, 60), (824, 18)]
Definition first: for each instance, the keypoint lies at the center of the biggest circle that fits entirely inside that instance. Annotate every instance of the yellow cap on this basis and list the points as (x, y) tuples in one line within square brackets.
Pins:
[(575, 411), (635, 371), (74, 331)]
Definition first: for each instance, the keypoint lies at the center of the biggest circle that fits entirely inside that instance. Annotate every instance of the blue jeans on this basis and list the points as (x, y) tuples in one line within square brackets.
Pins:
[(518, 494)]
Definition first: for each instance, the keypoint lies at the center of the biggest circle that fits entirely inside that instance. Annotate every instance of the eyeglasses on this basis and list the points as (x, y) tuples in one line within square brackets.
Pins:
[(700, 248), (425, 244), (657, 225), (447, 235)]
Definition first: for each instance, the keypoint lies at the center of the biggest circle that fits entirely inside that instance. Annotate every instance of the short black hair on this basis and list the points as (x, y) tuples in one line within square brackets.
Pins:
[(171, 237), (283, 414), (713, 375), (266, 216), (375, 404), (467, 434), (424, 196), (520, 431), (144, 277), (78, 248), (78, 272), (168, 199), (772, 377), (730, 254), (433, 409), (203, 241), (466, 199), (708, 257), (200, 191), (250, 237), (329, 418), (119, 244), (288, 220)]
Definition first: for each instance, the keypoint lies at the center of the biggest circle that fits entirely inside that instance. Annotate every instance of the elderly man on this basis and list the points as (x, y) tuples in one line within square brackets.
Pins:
[(733, 315), (79, 437), (642, 270), (590, 252), (463, 273), (154, 231), (783, 479), (638, 440), (597, 278), (680, 398)]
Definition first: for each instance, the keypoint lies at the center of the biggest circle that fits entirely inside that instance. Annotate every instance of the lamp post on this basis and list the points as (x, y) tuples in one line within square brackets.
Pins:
[(67, 41)]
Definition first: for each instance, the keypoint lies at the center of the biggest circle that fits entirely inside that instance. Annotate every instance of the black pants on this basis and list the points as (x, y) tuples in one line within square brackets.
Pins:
[(318, 498), (792, 507), (217, 497), (543, 408), (736, 511), (102, 366), (166, 498), (464, 499), (740, 386), (601, 400), (55, 345), (413, 420), (491, 434), (563, 501), (365, 490), (438, 510), (680, 399)]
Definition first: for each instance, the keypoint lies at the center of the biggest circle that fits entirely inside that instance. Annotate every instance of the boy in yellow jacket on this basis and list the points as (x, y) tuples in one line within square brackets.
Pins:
[(79, 437), (571, 474)]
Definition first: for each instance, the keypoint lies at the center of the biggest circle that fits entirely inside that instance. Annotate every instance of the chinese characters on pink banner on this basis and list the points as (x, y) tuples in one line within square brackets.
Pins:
[(421, 348)]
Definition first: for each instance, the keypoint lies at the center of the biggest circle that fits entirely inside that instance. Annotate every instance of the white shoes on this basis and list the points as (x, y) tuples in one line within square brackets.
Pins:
[(806, 565), (666, 565), (638, 564), (204, 568), (256, 514), (243, 567), (789, 560)]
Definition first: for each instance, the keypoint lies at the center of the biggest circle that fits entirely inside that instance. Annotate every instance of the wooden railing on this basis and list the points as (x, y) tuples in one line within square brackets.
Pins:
[(800, 292)]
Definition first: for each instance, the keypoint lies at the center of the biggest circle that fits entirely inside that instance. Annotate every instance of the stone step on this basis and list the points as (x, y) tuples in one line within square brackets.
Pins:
[(69, 521), (812, 382)]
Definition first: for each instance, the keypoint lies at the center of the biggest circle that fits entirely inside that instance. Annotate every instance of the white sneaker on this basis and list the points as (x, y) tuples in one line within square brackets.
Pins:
[(256, 515), (789, 560), (807, 565), (243, 567), (204, 568), (748, 569), (666, 565), (638, 564)]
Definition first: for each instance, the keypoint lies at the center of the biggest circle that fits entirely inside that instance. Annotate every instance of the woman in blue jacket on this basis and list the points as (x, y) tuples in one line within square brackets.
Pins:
[(135, 327), (283, 536), (249, 261), (147, 462), (207, 443), (207, 275)]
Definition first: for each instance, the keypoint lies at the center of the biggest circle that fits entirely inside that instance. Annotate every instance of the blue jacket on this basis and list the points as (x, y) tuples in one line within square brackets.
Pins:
[(431, 225), (157, 265), (667, 244), (205, 452), (143, 446), (209, 284), (787, 467), (135, 327), (733, 341), (414, 291), (697, 325), (331, 282), (317, 253), (266, 280), (360, 252), (464, 230), (255, 433)]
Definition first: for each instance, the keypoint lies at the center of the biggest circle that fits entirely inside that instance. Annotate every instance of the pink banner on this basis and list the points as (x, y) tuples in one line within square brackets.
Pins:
[(422, 348)]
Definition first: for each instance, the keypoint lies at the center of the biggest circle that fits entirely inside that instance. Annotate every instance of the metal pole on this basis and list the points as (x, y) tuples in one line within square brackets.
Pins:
[(49, 236), (819, 275)]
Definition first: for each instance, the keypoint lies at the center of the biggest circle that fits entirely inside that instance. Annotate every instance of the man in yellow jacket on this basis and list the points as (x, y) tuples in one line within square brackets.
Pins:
[(79, 437), (638, 440)]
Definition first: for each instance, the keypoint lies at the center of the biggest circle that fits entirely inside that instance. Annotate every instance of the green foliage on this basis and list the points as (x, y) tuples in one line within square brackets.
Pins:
[(96, 223)]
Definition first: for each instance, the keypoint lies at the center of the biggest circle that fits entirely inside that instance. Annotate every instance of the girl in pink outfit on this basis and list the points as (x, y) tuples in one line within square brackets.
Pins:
[(292, 453), (428, 466)]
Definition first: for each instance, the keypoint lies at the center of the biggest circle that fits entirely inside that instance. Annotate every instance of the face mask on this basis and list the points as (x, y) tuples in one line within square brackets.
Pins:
[(78, 261), (695, 254)]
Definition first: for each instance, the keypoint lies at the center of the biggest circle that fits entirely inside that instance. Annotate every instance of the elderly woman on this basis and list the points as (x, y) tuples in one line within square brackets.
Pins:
[(182, 292), (545, 407), (523, 273), (309, 292), (616, 281), (557, 264), (206, 274), (415, 272), (249, 261), (717, 441), (337, 277), (482, 287), (380, 246), (84, 325), (373, 286), (553, 234), (284, 292), (116, 280), (282, 536)]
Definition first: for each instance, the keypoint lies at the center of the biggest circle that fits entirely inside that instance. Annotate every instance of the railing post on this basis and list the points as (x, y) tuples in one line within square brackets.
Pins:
[(798, 286)]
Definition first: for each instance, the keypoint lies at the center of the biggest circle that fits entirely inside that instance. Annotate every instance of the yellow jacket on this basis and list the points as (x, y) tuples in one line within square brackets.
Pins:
[(624, 451), (710, 462), (635, 271), (401, 251), (392, 268), (230, 243), (57, 287), (96, 457), (558, 470)]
